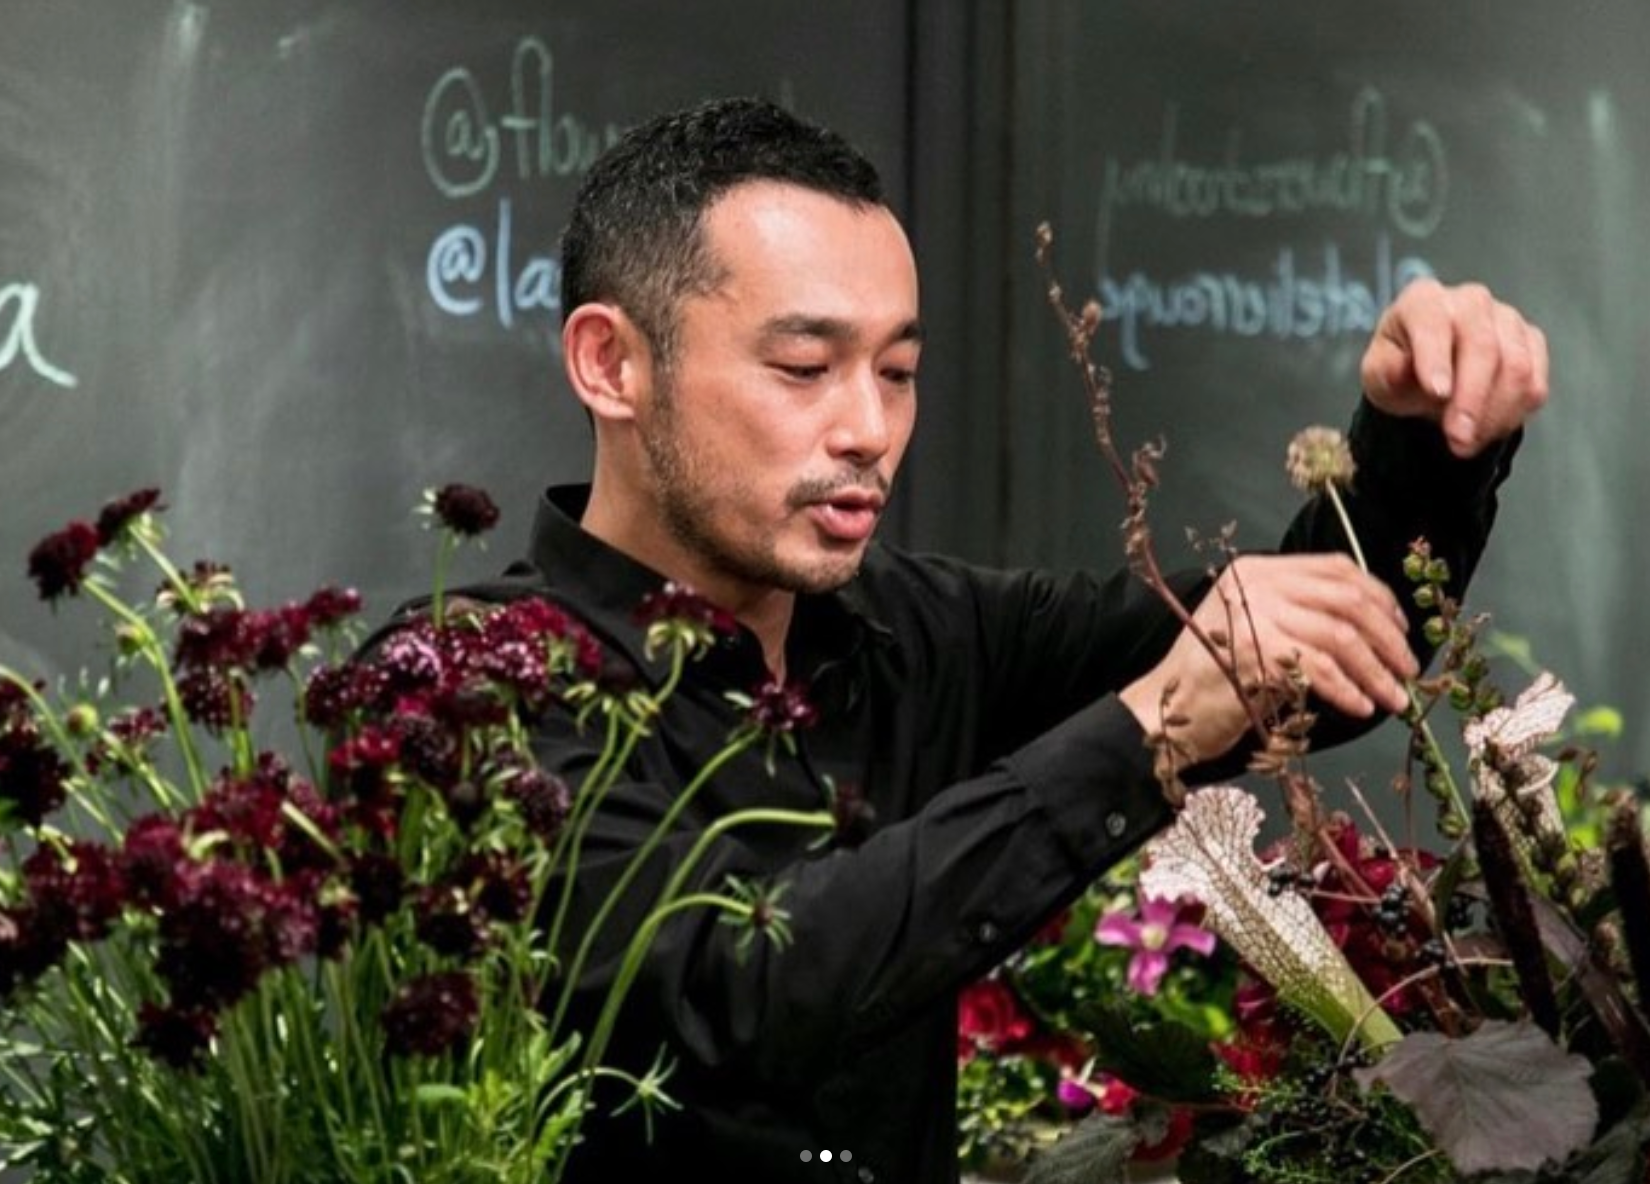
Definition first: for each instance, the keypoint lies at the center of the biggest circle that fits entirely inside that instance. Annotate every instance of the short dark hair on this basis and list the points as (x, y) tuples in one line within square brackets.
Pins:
[(635, 236)]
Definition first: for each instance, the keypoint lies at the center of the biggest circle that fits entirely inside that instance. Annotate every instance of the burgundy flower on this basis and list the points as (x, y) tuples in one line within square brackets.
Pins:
[(214, 940), (779, 707), (428, 749), (150, 856), (176, 1036), (27, 951), (465, 510), (499, 885), (77, 894), (132, 731), (430, 1014), (410, 661), (330, 606), (378, 883), (117, 515), (678, 604), (450, 923), (247, 809), (335, 693), (544, 801), (58, 562), (32, 774), (215, 700)]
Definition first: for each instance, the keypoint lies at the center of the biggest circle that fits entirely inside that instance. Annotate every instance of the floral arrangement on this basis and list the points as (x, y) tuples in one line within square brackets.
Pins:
[(220, 963), (1342, 1003)]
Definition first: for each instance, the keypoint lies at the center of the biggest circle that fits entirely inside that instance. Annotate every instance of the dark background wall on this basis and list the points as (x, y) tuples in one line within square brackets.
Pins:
[(294, 263)]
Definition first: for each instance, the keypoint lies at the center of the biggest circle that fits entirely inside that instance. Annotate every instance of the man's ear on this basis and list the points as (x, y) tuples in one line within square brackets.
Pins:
[(607, 359)]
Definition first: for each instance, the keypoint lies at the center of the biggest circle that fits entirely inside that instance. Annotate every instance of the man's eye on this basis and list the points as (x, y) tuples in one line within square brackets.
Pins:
[(799, 371)]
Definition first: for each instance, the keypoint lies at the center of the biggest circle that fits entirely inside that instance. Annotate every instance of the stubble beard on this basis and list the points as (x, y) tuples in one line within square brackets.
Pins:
[(681, 486)]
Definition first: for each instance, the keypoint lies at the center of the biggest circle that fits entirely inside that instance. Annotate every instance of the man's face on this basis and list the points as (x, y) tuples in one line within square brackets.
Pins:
[(774, 439)]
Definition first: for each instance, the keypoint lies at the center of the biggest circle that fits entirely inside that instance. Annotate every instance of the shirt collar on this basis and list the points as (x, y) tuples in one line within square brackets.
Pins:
[(606, 587)]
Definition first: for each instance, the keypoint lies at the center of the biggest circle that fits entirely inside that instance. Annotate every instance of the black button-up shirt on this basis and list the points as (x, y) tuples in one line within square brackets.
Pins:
[(974, 711)]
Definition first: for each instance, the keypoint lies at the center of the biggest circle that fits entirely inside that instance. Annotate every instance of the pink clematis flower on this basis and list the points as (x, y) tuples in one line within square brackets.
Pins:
[(1158, 932)]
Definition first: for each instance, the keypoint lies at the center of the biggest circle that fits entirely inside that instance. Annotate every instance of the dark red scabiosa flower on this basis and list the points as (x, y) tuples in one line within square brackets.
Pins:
[(678, 604), (428, 750), (215, 700), (120, 513), (451, 923), (543, 799), (150, 856), (778, 707), (32, 774), (76, 893), (431, 1014), (58, 562), (130, 733), (292, 919), (275, 635), (246, 809), (214, 941), (464, 509), (176, 1036), (312, 847), (410, 661), (334, 694), (499, 885), (469, 701), (329, 607), (361, 769), (378, 882), (337, 915)]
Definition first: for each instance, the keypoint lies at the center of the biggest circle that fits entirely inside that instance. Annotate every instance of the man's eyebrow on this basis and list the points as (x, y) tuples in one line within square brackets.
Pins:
[(829, 329)]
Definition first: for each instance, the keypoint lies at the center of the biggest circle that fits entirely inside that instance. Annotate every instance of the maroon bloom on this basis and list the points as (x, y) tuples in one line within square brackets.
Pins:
[(779, 707), (119, 514), (430, 1014), (451, 923), (58, 562), (32, 774), (465, 510), (176, 1036), (543, 799), (76, 894), (678, 604), (330, 606), (150, 857)]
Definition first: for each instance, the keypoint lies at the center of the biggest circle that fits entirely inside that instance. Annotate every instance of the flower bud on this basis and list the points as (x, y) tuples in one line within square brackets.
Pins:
[(81, 721)]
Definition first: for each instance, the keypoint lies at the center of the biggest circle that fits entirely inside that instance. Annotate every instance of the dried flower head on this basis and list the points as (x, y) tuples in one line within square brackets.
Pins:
[(1318, 458)]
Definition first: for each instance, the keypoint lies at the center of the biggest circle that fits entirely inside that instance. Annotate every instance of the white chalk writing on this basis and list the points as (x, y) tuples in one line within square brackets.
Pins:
[(1291, 302), (464, 145), (1406, 186), (18, 303), (462, 259)]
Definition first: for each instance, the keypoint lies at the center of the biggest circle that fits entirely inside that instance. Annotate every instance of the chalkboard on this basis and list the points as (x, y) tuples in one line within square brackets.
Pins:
[(294, 262), (1243, 186)]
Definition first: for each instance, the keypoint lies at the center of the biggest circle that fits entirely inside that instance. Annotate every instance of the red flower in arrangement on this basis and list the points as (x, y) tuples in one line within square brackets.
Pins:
[(431, 1014), (989, 1018)]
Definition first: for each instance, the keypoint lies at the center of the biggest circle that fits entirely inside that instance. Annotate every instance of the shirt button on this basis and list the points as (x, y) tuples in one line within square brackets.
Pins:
[(1116, 824), (986, 932)]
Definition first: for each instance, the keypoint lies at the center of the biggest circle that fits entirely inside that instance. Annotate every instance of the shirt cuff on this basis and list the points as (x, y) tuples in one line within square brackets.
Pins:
[(1091, 776)]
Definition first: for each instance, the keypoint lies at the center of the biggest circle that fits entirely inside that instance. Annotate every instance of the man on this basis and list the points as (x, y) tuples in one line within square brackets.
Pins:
[(741, 323)]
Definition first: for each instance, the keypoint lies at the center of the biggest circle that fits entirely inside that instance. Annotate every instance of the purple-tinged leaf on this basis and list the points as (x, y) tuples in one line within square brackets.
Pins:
[(1505, 1098)]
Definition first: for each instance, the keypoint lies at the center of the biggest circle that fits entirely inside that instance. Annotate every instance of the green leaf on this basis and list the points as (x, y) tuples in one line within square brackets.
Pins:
[(1095, 1152), (435, 1093), (1166, 1060), (1505, 1098)]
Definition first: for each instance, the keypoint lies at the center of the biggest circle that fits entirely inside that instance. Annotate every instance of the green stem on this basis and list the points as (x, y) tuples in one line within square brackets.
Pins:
[(1417, 707)]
